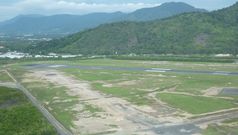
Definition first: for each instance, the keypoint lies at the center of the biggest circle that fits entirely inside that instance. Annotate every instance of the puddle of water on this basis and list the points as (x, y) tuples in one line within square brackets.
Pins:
[(229, 91), (50, 74)]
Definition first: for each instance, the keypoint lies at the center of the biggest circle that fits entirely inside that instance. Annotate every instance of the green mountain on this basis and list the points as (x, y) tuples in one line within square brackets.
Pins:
[(163, 11), (189, 33), (63, 24)]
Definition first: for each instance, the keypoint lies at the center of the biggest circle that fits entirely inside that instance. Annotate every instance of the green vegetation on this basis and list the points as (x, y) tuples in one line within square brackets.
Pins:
[(185, 58), (195, 104), (47, 93), (19, 117), (231, 121), (92, 111), (151, 81), (124, 84), (220, 130), (55, 99), (229, 127), (196, 83), (63, 112), (135, 86), (189, 33), (139, 83), (135, 96), (14, 44), (4, 77), (94, 75), (131, 93), (211, 66), (101, 61)]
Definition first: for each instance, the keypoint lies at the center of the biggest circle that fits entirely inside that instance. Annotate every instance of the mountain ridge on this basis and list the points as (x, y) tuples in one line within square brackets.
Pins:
[(67, 24), (163, 11)]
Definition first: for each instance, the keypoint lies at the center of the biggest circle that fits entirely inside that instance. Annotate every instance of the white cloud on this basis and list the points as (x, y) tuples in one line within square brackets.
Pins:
[(93, 7), (49, 7)]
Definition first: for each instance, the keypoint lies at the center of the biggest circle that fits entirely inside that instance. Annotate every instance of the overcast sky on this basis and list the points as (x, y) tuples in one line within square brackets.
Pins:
[(11, 8)]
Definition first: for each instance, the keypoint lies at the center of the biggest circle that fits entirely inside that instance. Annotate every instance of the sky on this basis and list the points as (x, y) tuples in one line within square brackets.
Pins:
[(12, 8)]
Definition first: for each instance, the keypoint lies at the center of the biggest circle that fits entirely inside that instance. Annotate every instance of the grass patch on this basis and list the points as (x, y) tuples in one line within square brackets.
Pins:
[(20, 117), (177, 58), (134, 96), (47, 93), (4, 77), (62, 111), (215, 129), (195, 104), (7, 94), (235, 120), (211, 66), (92, 109), (93, 75), (191, 83), (147, 81), (131, 94), (196, 83)]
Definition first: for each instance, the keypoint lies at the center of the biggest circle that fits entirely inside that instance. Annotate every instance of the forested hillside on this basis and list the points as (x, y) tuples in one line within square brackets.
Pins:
[(189, 33)]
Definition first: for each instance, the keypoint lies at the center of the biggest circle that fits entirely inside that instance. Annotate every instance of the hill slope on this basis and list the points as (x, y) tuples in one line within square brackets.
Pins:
[(65, 24), (206, 33)]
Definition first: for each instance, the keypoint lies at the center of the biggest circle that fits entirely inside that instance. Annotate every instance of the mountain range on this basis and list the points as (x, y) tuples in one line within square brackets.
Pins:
[(188, 33), (64, 24)]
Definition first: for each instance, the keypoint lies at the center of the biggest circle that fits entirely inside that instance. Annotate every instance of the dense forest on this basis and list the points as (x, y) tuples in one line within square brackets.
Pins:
[(190, 33)]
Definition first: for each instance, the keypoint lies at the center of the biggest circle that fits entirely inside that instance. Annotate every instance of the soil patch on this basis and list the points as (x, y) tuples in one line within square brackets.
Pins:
[(213, 91)]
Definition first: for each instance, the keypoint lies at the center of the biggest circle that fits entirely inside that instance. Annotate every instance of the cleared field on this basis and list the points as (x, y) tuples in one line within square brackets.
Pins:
[(132, 86), (195, 104), (134, 96), (99, 114), (64, 106), (139, 82), (18, 116), (125, 101)]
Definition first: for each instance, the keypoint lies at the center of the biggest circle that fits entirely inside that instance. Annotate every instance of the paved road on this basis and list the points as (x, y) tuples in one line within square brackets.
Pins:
[(58, 126), (133, 69)]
